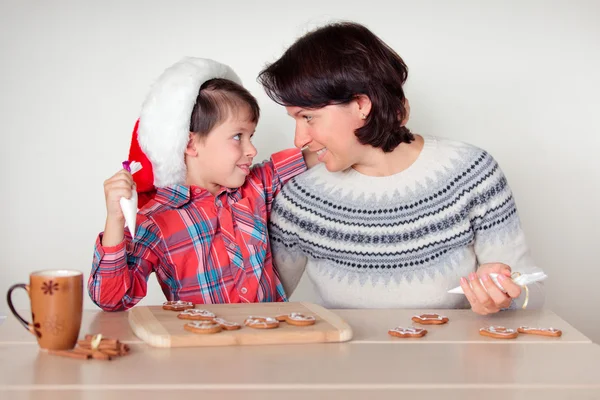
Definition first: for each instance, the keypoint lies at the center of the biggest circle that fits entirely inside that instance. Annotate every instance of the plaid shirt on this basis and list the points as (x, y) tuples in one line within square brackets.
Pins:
[(203, 248)]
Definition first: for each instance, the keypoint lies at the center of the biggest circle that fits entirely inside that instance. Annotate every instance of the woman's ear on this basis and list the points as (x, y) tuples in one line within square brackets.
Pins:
[(364, 105), (190, 149)]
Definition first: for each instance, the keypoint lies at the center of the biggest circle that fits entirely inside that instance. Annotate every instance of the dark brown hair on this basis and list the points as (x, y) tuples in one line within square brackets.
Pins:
[(333, 65), (217, 100)]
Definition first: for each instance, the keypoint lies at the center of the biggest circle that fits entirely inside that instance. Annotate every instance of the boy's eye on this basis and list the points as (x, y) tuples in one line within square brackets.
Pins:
[(238, 137)]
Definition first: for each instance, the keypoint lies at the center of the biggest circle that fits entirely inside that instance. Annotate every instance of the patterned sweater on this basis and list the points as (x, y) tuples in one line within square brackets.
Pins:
[(400, 241)]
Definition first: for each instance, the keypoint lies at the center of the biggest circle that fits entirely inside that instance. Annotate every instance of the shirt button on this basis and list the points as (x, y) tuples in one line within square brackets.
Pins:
[(197, 191), (232, 246), (244, 290)]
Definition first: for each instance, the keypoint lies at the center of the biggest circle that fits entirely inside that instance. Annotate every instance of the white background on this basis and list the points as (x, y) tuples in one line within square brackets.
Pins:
[(518, 78)]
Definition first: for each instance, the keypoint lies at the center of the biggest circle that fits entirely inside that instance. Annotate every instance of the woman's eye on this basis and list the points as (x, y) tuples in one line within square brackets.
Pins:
[(307, 117)]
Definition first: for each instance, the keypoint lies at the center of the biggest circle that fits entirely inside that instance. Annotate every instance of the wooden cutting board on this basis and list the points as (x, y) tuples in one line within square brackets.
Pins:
[(162, 328)]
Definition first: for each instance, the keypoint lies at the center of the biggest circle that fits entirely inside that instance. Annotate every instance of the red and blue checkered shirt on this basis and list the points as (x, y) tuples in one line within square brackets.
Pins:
[(203, 248)]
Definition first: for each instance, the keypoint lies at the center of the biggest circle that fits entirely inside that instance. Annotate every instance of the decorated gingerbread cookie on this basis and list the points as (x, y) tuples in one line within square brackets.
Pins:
[(407, 332), (261, 322), (430, 319), (203, 327), (499, 332), (297, 319), (228, 326), (197, 315), (540, 331), (177, 305)]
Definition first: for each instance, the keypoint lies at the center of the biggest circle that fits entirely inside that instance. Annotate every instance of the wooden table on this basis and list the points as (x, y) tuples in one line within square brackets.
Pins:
[(451, 362)]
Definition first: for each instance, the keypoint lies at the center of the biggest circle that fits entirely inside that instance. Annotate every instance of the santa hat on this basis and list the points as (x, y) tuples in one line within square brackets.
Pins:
[(161, 134)]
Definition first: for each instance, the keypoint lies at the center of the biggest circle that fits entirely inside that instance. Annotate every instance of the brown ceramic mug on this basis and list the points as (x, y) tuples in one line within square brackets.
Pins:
[(56, 306)]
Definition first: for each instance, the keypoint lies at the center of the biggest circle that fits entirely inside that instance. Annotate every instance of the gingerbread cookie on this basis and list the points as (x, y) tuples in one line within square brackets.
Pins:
[(540, 331), (261, 322), (228, 326), (499, 332), (430, 319), (178, 305), (197, 315), (408, 332), (297, 319), (203, 327)]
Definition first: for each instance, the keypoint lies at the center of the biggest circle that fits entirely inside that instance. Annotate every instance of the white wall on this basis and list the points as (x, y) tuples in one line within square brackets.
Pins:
[(518, 78)]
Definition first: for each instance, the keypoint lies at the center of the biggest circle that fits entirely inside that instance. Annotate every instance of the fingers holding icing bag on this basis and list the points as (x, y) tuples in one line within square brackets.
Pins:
[(119, 185), (485, 304), (500, 299), (494, 268), (464, 283), (503, 271)]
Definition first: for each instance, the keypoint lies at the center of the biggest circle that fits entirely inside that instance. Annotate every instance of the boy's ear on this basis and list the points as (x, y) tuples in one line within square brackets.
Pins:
[(190, 149)]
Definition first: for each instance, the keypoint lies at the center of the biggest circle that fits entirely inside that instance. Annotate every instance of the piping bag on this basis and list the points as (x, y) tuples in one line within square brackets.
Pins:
[(517, 277), (130, 206)]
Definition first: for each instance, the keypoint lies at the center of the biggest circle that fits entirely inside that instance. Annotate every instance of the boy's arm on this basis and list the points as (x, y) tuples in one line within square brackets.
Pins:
[(120, 273), (273, 174), (310, 158)]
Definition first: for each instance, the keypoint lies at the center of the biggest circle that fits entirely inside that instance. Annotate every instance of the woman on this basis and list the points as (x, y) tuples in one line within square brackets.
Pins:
[(389, 219)]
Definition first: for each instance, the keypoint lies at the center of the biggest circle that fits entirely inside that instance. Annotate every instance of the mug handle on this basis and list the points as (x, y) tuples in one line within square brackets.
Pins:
[(26, 324)]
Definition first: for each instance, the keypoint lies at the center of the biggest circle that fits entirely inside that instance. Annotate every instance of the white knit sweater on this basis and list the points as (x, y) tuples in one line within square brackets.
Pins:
[(400, 241)]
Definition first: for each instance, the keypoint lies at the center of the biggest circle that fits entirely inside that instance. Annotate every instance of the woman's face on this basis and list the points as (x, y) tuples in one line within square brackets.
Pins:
[(329, 131)]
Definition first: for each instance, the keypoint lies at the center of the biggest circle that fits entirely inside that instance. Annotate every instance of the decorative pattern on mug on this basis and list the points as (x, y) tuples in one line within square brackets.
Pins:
[(36, 328), (54, 325), (49, 287)]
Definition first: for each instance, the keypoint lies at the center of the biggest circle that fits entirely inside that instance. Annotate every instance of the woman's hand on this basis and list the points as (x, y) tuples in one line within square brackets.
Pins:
[(488, 298)]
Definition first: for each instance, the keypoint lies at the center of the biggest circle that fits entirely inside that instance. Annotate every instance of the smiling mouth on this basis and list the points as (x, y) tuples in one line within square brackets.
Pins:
[(245, 168), (321, 153)]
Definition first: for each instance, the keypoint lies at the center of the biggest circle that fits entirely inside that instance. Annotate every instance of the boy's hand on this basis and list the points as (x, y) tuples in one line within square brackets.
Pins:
[(119, 185), (310, 158)]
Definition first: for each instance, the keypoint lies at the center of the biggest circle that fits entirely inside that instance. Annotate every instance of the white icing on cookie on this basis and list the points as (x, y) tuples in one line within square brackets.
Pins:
[(404, 331), (300, 317), (221, 321), (178, 303), (499, 330), (429, 317), (202, 324), (551, 330), (261, 321), (198, 313)]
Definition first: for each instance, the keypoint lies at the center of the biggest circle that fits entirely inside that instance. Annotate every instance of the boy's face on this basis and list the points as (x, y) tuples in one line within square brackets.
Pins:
[(224, 156)]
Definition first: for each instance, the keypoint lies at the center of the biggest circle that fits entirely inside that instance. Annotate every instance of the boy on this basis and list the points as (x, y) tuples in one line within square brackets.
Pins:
[(204, 233)]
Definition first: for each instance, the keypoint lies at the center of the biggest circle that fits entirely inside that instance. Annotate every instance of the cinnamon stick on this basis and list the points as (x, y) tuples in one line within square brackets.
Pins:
[(69, 354), (98, 355)]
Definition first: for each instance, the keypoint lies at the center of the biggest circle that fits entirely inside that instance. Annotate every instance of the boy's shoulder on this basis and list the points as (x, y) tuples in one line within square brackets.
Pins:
[(166, 199)]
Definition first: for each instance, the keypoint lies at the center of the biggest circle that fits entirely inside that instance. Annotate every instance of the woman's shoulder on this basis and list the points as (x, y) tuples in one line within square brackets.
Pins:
[(458, 154), (453, 146)]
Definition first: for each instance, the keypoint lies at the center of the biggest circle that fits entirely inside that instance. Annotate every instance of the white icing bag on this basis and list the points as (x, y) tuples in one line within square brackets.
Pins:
[(130, 206), (518, 278)]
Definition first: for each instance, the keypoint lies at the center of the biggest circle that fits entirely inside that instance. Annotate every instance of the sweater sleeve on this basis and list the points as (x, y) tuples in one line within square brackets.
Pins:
[(499, 237)]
